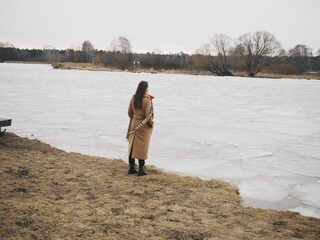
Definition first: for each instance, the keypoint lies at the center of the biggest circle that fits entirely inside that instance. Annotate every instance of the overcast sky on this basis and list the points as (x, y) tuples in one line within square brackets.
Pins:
[(168, 25)]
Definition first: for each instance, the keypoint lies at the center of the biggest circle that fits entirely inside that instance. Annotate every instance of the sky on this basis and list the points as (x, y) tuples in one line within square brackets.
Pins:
[(170, 26)]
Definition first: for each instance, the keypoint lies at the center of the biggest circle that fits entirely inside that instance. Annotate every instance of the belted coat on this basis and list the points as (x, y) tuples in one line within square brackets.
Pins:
[(141, 140)]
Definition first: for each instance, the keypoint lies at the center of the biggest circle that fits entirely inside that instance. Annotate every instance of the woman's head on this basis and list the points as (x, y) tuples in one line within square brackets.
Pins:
[(141, 91)]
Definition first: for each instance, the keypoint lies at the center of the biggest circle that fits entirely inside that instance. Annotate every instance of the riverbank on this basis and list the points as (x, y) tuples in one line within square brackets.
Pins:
[(47, 193), (93, 67)]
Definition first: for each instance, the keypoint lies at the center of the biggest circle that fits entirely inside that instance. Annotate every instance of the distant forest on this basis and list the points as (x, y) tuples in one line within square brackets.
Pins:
[(251, 52)]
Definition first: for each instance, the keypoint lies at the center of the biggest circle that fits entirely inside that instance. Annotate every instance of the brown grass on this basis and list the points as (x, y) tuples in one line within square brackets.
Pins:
[(47, 193), (100, 67), (268, 74)]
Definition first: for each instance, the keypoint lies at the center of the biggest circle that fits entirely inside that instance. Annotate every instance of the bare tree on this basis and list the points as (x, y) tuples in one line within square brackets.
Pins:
[(121, 44), (216, 52), (6, 45), (125, 45), (300, 50), (300, 57), (114, 46), (158, 51), (258, 50), (87, 50), (122, 49), (50, 53)]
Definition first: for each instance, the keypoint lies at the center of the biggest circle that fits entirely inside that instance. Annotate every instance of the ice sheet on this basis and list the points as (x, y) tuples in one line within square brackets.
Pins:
[(261, 134)]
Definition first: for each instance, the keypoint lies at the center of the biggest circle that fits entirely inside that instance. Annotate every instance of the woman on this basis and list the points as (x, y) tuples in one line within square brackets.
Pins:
[(140, 127)]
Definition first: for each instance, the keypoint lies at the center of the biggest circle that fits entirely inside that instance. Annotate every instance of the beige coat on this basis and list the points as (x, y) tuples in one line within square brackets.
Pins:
[(142, 136)]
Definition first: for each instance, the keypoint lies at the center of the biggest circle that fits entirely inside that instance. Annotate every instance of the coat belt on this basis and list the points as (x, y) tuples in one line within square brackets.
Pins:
[(138, 117)]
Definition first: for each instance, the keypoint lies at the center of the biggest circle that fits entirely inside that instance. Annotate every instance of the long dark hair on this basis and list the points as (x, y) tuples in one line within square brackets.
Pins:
[(138, 96)]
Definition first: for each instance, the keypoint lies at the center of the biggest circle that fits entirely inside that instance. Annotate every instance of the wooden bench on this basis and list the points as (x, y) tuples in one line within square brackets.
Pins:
[(4, 122)]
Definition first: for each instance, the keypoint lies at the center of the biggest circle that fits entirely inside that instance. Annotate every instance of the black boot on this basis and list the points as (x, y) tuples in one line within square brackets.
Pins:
[(142, 171), (132, 169)]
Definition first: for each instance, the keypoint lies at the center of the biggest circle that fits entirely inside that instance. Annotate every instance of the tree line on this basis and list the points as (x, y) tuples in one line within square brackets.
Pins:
[(251, 52)]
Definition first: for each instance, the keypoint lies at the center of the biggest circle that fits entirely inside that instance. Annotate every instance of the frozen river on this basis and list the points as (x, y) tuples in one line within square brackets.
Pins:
[(261, 134)]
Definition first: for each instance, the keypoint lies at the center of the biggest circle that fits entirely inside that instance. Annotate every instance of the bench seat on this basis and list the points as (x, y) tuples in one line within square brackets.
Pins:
[(4, 122)]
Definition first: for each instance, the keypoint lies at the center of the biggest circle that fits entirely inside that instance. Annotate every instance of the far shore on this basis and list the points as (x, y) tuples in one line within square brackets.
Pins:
[(94, 67)]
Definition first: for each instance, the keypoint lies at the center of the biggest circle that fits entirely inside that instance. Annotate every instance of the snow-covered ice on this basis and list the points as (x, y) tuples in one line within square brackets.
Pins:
[(261, 134)]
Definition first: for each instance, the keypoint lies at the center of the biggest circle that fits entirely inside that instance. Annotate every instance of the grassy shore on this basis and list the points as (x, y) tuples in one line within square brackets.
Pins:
[(92, 67), (47, 193)]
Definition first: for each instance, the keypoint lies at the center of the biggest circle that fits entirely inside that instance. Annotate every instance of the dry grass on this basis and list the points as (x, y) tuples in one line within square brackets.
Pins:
[(82, 66), (93, 67), (47, 193), (268, 74)]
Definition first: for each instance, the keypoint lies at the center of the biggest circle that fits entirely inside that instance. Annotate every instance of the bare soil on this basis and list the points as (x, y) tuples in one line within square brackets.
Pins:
[(47, 193)]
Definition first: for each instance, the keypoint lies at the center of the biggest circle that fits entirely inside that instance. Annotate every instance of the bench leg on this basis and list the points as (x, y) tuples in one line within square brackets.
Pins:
[(2, 132)]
